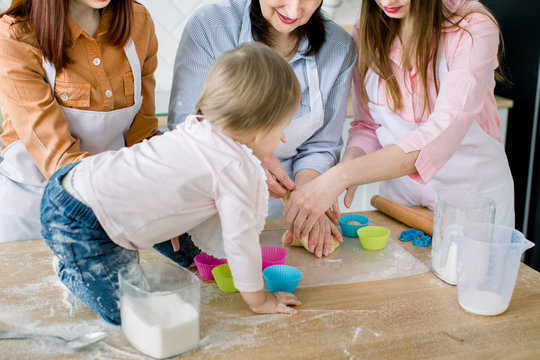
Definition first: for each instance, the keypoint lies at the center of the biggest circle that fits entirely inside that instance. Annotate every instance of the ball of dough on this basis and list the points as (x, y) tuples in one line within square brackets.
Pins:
[(304, 242)]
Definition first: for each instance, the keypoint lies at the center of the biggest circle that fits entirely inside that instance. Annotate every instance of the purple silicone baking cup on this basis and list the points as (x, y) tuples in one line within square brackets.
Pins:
[(205, 263), (273, 255)]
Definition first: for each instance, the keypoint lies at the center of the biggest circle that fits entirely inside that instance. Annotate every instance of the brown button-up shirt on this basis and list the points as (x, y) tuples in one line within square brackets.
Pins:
[(32, 113)]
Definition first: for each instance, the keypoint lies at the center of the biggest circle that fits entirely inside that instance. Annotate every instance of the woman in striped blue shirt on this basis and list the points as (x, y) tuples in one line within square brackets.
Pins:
[(322, 56)]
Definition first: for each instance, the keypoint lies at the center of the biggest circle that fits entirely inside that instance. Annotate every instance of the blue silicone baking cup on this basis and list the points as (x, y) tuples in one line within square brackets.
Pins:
[(350, 229), (282, 278)]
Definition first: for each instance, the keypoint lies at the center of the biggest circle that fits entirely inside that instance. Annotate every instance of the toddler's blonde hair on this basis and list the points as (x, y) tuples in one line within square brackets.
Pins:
[(249, 88)]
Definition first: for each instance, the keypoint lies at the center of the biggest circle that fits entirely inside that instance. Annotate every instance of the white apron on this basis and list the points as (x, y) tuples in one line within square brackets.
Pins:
[(21, 182), (298, 131), (479, 162)]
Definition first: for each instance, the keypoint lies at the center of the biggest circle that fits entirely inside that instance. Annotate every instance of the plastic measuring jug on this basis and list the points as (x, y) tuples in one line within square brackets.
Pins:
[(488, 258), (159, 308), (461, 207)]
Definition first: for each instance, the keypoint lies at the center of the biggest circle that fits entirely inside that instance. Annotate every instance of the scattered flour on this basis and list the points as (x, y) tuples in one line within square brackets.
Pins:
[(356, 333)]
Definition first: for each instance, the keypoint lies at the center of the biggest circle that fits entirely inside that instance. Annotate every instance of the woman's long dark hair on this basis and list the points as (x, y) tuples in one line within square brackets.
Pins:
[(422, 34), (49, 22), (314, 30)]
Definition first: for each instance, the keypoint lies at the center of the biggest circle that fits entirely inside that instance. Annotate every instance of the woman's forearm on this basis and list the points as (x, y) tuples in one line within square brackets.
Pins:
[(304, 176), (387, 163)]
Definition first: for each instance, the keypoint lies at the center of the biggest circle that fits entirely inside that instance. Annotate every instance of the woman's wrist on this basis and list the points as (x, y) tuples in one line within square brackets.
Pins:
[(304, 176), (343, 175)]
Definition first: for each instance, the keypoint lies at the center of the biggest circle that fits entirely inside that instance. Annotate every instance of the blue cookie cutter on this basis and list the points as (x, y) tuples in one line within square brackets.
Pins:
[(423, 241), (418, 237), (407, 235)]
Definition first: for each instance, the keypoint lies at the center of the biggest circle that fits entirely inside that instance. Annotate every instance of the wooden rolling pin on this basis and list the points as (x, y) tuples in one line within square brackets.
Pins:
[(403, 214)]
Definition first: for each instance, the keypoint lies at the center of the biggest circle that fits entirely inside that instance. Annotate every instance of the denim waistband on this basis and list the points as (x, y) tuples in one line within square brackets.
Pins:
[(65, 202)]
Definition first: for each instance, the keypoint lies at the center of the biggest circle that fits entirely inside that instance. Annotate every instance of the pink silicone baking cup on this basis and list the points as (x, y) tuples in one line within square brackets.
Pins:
[(205, 263), (273, 255)]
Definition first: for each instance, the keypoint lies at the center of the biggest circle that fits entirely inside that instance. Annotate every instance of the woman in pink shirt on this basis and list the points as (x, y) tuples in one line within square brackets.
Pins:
[(425, 112)]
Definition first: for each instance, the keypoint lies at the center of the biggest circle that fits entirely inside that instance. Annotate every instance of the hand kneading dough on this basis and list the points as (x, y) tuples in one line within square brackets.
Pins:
[(304, 240)]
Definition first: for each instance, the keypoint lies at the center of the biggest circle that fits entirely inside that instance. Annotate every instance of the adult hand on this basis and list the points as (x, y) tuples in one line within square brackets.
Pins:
[(349, 196), (350, 154), (277, 180), (309, 201), (320, 237), (334, 213)]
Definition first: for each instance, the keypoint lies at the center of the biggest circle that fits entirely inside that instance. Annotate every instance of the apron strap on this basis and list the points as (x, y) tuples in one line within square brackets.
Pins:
[(315, 98), (50, 72), (373, 87), (133, 58), (442, 65)]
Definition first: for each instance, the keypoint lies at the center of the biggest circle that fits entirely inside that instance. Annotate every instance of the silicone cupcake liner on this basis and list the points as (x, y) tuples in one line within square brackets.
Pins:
[(273, 255), (281, 278), (205, 263), (223, 276), (351, 229), (373, 237)]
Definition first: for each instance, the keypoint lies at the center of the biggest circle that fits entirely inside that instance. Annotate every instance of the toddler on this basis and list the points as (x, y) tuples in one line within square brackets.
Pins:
[(203, 178)]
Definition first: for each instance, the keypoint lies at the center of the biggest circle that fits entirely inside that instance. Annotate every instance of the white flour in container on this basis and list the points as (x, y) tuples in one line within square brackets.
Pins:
[(160, 325), (448, 272), (482, 302)]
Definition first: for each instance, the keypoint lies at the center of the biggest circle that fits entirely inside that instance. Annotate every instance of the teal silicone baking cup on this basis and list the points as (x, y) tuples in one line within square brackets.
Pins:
[(351, 229), (282, 278)]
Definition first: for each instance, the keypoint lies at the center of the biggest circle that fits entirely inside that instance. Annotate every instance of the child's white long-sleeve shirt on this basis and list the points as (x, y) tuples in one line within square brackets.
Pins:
[(193, 179)]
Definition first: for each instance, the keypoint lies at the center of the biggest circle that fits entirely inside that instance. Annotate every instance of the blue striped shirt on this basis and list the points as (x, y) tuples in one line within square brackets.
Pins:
[(217, 28)]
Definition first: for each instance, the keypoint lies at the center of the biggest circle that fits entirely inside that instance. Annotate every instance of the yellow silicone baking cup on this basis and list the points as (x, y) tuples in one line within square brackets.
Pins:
[(373, 237), (222, 275)]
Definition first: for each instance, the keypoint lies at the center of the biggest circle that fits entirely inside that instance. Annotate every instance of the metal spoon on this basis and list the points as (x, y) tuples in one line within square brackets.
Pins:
[(76, 343)]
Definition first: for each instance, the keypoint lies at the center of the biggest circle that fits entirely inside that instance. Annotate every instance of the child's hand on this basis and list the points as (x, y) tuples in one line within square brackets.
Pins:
[(277, 303), (263, 302)]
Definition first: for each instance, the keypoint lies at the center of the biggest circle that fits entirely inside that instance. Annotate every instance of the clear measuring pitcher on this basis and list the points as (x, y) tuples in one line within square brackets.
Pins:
[(488, 258), (461, 207), (159, 308)]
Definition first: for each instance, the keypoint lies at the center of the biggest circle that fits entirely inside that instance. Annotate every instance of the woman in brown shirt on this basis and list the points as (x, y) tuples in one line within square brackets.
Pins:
[(76, 78)]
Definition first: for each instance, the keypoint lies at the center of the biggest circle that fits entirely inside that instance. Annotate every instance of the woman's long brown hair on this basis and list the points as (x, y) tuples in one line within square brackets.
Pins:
[(49, 20), (421, 39)]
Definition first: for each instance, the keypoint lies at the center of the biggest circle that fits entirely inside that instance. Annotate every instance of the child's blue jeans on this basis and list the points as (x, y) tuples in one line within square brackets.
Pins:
[(89, 261)]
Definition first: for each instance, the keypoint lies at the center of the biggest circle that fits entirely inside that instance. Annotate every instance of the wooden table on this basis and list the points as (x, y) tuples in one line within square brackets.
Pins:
[(409, 317)]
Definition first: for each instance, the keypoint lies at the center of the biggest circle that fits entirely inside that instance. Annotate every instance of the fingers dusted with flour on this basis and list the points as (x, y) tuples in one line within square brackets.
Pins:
[(277, 180)]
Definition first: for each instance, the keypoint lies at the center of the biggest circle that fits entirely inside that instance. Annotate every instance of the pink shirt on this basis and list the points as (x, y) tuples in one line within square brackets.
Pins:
[(465, 94)]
